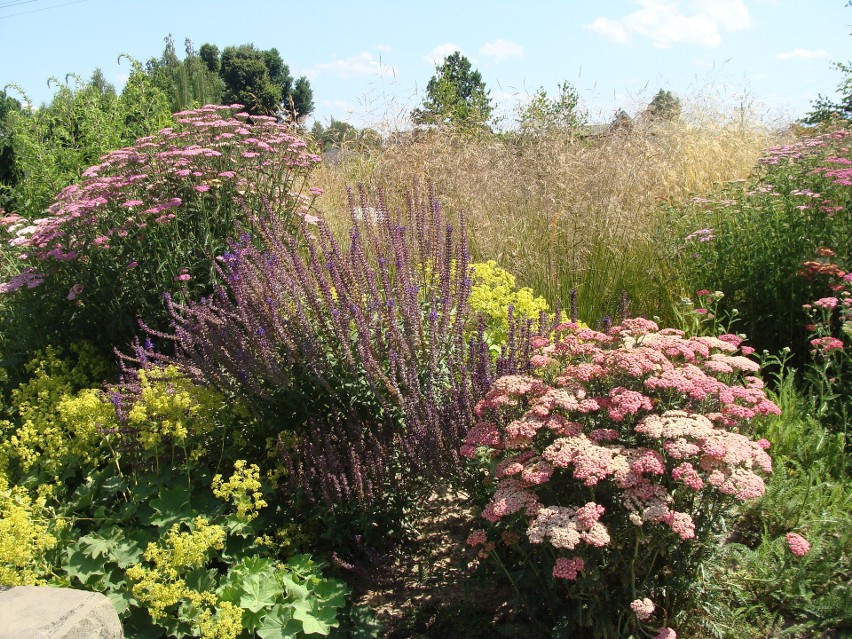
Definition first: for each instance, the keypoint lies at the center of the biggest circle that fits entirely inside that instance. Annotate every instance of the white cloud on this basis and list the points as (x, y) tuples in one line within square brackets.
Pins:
[(668, 22), (436, 56), (732, 15), (502, 49), (803, 54), (360, 65), (609, 29)]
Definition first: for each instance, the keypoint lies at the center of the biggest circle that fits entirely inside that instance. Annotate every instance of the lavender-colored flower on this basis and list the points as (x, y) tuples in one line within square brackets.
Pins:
[(368, 363)]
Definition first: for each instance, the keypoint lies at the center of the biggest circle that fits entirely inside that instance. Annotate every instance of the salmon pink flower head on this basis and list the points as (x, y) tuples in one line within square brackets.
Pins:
[(827, 303), (643, 608), (827, 344), (665, 633), (568, 568), (477, 538), (798, 545)]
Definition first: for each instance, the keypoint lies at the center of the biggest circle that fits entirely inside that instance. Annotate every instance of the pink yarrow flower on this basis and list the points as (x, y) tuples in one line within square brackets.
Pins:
[(568, 568), (827, 344), (643, 608), (798, 545), (827, 303)]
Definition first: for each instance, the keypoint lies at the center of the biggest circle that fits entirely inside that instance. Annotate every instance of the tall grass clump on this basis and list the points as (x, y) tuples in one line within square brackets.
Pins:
[(566, 211), (765, 242), (148, 219)]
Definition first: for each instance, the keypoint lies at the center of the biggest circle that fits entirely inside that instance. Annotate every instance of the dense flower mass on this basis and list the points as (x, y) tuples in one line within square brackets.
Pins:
[(150, 217), (192, 156), (641, 421)]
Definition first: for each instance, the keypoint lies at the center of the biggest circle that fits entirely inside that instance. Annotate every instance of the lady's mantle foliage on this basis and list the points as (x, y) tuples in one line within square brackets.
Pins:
[(614, 440), (150, 217)]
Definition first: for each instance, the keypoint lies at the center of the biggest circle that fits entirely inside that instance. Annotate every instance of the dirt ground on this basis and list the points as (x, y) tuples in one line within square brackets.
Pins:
[(427, 588)]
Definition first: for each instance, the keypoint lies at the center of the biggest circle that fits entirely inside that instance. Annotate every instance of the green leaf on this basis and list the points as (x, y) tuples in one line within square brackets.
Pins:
[(171, 507), (294, 590), (332, 592), (202, 580), (120, 600), (101, 543), (259, 591), (279, 624), (130, 550), (315, 617), (79, 564)]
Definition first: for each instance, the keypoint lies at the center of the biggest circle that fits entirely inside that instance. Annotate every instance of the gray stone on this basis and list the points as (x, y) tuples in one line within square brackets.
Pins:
[(41, 612)]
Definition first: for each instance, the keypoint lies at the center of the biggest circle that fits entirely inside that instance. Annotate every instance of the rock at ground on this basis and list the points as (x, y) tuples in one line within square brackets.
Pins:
[(41, 612)]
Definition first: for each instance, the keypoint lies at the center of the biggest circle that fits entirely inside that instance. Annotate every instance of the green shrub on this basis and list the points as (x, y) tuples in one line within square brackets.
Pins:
[(751, 239), (148, 219)]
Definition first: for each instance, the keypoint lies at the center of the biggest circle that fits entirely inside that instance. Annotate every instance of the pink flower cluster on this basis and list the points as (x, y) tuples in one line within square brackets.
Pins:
[(568, 568), (134, 187), (798, 545), (643, 608), (644, 418)]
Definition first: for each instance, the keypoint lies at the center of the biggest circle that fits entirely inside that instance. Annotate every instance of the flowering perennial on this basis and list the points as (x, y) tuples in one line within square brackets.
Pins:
[(150, 217), (641, 425)]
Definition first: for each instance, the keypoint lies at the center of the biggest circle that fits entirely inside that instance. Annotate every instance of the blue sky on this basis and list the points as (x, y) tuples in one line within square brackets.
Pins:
[(369, 61)]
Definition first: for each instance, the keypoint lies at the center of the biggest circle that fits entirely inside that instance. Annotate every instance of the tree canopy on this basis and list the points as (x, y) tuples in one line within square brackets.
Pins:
[(664, 106), (260, 80), (455, 95), (188, 83), (542, 115)]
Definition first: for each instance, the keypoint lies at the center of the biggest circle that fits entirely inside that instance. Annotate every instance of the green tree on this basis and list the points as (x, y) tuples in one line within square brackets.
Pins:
[(188, 83), (7, 157), (455, 95), (542, 115), (262, 82), (209, 54), (827, 110), (303, 98), (664, 106), (51, 145)]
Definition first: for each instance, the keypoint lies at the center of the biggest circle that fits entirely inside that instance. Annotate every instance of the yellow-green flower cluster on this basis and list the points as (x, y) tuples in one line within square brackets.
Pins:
[(171, 408), (160, 586), (55, 425), (493, 290), (243, 490), (25, 536)]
